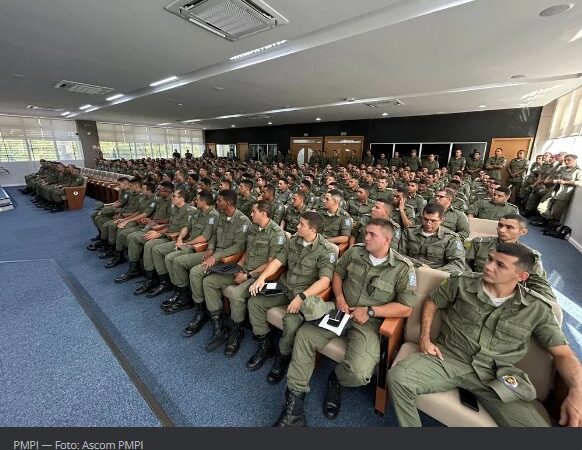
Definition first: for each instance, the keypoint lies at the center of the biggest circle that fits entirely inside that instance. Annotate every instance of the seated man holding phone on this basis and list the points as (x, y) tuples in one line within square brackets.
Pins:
[(370, 282), (487, 322)]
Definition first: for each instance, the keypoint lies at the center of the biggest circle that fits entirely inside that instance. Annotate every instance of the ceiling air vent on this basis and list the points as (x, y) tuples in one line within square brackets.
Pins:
[(389, 102), (83, 88), (230, 19), (44, 108)]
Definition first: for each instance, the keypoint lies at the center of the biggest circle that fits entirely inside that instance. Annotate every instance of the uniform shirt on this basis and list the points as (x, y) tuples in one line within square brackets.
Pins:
[(457, 164), (398, 219), (245, 204), (493, 339), (306, 265), (414, 163), (292, 217), (478, 250), (163, 207), (457, 221), (278, 211), (179, 218), (367, 285), (565, 192), (356, 208), (375, 193), (485, 209), (263, 244), (383, 162), (443, 250), (230, 235), (417, 202), (396, 162), (474, 164), (515, 165), (338, 224), (494, 161), (359, 231), (148, 205), (431, 165), (283, 198), (202, 224), (133, 204)]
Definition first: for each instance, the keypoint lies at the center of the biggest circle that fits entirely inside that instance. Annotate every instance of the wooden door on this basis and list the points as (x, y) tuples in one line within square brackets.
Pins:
[(345, 146), (510, 147), (241, 150), (302, 148)]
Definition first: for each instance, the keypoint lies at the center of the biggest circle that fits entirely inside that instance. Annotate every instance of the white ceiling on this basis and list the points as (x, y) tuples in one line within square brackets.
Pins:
[(449, 60)]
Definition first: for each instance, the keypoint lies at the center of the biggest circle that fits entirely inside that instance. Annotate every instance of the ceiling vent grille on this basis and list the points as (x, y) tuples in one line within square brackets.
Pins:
[(44, 108), (389, 102), (83, 88), (230, 19), (259, 117)]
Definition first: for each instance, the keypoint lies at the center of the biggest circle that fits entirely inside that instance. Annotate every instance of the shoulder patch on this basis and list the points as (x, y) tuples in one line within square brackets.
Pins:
[(245, 227), (280, 240), (152, 204), (412, 279), (211, 221), (460, 245), (332, 258), (348, 222)]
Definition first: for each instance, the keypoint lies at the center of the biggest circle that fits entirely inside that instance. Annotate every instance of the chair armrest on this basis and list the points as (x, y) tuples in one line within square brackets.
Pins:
[(280, 271), (232, 258), (556, 397), (201, 247), (392, 326)]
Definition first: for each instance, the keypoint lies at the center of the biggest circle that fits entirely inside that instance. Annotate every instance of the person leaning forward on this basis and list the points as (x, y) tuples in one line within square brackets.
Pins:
[(488, 321), (310, 260), (370, 283)]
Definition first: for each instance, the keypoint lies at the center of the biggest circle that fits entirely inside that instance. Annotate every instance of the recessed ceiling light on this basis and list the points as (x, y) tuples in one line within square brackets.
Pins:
[(518, 76), (257, 50), (270, 123), (482, 106), (318, 118), (85, 106), (163, 124), (191, 120), (233, 125), (18, 75), (114, 97), (384, 113), (65, 113), (218, 88), (165, 80), (204, 128), (180, 104), (556, 9)]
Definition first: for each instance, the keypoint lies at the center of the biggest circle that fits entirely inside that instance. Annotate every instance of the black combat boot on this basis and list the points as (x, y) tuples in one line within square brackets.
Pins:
[(97, 245), (118, 258), (150, 282), (279, 368), (199, 319), (165, 285), (265, 351), (96, 238), (293, 414), (333, 397), (170, 300), (109, 251), (234, 339), (132, 272), (184, 301), (219, 333)]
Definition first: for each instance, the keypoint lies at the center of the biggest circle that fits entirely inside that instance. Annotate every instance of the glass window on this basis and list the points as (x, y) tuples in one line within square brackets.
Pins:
[(109, 150), (43, 149), (13, 150), (124, 150)]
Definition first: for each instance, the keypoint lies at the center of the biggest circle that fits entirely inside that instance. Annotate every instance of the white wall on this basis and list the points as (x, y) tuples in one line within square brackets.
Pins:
[(19, 169), (574, 219)]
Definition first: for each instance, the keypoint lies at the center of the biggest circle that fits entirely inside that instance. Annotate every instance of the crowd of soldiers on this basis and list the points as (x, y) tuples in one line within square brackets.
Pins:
[(361, 230), (49, 183)]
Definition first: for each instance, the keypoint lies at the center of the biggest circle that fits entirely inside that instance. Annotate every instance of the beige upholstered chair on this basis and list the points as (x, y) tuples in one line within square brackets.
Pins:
[(482, 227)]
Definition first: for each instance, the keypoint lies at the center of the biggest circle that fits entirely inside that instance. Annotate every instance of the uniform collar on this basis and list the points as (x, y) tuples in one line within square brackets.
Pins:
[(365, 255), (519, 296)]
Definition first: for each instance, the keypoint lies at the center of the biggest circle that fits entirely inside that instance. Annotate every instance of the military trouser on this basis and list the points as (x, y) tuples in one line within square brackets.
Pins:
[(123, 235), (196, 277), (533, 201), (109, 231), (555, 209), (148, 248), (135, 244), (182, 266), (238, 295), (291, 325), (545, 203), (169, 262), (159, 254), (213, 286), (422, 374), (258, 307), (362, 354), (515, 190), (56, 195)]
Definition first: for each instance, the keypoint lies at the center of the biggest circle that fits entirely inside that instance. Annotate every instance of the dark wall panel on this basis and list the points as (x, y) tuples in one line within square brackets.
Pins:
[(479, 126)]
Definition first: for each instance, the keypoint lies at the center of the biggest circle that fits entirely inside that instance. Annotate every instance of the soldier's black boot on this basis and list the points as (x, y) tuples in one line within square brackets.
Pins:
[(184, 301), (150, 282), (279, 368), (197, 322), (219, 333), (235, 337), (170, 300), (97, 245), (132, 272), (333, 397), (117, 259), (165, 285), (96, 238), (109, 252), (293, 414), (265, 351)]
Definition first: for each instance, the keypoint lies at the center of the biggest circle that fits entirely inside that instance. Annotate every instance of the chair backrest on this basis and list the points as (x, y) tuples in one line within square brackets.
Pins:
[(482, 227)]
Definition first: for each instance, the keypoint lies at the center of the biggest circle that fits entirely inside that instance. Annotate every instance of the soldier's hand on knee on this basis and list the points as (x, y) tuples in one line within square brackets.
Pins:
[(428, 348), (256, 287), (571, 409), (295, 305)]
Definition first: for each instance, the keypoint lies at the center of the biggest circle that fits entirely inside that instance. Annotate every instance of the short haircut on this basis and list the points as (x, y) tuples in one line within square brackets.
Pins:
[(387, 201), (264, 206), (206, 181), (503, 189), (365, 187), (151, 187), (314, 220), (121, 179), (167, 185), (434, 208), (570, 155), (301, 195), (206, 196), (525, 257), (229, 196), (247, 183), (180, 193), (228, 183), (135, 181), (384, 224), (335, 194), (270, 188), (306, 182), (402, 188), (521, 220)]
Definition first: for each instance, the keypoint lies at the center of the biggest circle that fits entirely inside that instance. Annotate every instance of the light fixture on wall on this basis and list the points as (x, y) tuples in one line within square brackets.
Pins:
[(85, 107), (384, 114), (233, 125), (269, 123), (114, 97), (164, 81), (318, 118)]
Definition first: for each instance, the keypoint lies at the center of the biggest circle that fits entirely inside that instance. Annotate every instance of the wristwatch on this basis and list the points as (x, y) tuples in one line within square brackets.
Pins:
[(371, 312), (302, 296)]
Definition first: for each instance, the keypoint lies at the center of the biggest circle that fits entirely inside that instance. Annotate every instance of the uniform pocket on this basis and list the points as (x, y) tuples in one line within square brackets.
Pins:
[(467, 312)]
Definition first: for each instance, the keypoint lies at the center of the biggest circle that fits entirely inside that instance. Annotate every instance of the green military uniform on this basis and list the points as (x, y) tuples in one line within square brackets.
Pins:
[(356, 208), (478, 250), (383, 162), (310, 202), (359, 231), (228, 239), (109, 229), (456, 164), (480, 343), (305, 265), (245, 205), (200, 224), (148, 206), (261, 245), (292, 217), (155, 251), (430, 165), (363, 285), (560, 198), (334, 161), (396, 162), (472, 165), (414, 163), (375, 193), (354, 161), (494, 161), (278, 212), (398, 219), (107, 212), (460, 203), (417, 202), (486, 209), (135, 240), (283, 198), (516, 182), (443, 250), (368, 160), (338, 224), (457, 221), (56, 194)]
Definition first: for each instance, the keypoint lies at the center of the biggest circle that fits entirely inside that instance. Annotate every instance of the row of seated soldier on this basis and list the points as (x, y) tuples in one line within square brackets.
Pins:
[(206, 234)]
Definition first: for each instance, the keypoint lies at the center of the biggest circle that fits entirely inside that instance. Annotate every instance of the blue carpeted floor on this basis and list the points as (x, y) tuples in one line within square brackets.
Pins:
[(196, 388), (55, 370)]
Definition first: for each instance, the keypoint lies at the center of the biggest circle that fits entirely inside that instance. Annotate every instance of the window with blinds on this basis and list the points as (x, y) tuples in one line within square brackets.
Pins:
[(134, 141), (567, 120), (32, 139)]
